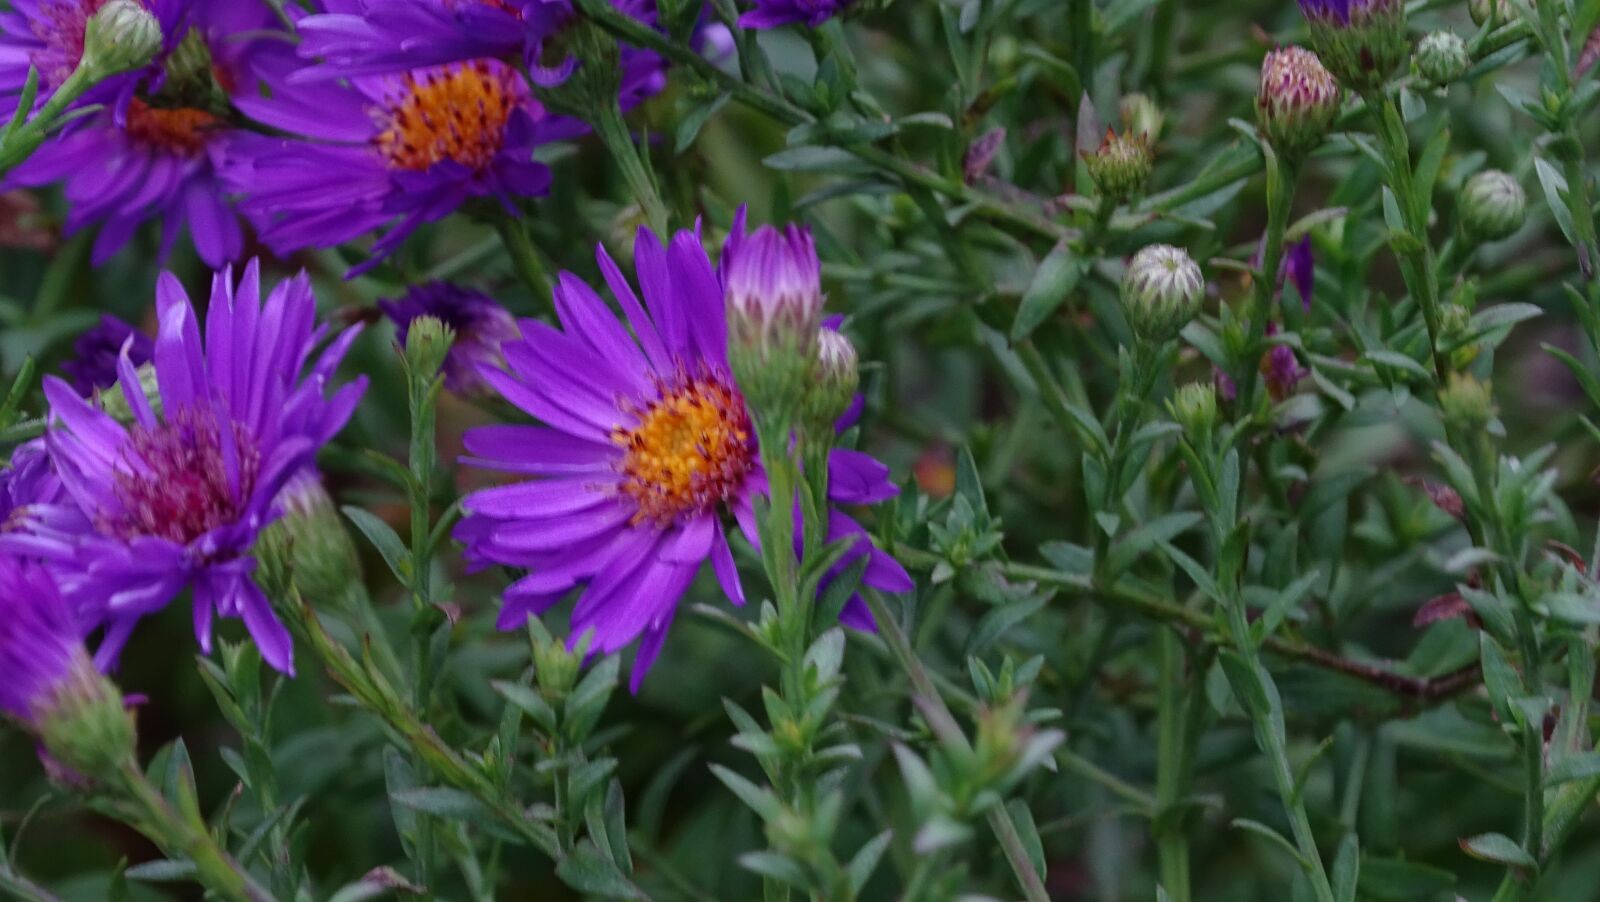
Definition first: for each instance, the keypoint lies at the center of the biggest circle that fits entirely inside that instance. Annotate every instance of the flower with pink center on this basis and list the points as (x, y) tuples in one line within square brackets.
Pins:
[(176, 500)]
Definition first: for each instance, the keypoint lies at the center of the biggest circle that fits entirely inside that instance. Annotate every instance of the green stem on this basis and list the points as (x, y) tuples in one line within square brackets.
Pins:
[(999, 821), (1172, 840), (613, 133), (1281, 181), (22, 141), (184, 835), (524, 256), (1417, 265)]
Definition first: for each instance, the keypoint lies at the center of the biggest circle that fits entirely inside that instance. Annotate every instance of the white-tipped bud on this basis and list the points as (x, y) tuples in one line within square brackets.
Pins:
[(1162, 292), (122, 35), (1493, 205)]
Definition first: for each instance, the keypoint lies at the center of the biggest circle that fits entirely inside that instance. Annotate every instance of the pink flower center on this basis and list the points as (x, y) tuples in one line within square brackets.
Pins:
[(180, 480), (60, 28)]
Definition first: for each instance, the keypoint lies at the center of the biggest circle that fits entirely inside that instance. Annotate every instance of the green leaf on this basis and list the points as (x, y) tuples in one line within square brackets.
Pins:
[(442, 801), (1053, 281), (760, 800), (1498, 848), (779, 867), (588, 871), (1399, 362), (865, 861), (530, 701), (1127, 548), (695, 119), (163, 871), (385, 539), (1555, 190), (1022, 819), (1394, 880), (1347, 869), (1499, 678), (814, 159), (1578, 766), (1277, 838)]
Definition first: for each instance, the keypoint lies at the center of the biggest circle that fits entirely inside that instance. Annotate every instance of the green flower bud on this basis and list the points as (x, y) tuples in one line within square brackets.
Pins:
[(122, 35), (1141, 116), (1441, 57), (428, 342), (115, 403), (86, 727), (309, 546), (1484, 11), (1455, 322), (1122, 164), (191, 77), (1362, 42), (555, 667), (1296, 102), (1467, 403), (1194, 407), (837, 379), (1161, 292), (1493, 205)]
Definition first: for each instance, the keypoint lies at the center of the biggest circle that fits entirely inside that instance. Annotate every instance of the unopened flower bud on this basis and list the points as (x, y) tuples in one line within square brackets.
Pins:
[(1493, 205), (1441, 57), (480, 324), (191, 76), (427, 346), (1194, 407), (1161, 292), (837, 379), (49, 685), (773, 292), (1362, 42), (1467, 403), (1121, 165), (555, 667), (1297, 101), (122, 35), (1455, 324), (310, 546), (1141, 116), (1485, 11)]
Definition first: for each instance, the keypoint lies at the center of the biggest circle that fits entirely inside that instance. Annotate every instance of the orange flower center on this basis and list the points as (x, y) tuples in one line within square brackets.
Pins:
[(690, 451), (180, 130), (457, 113)]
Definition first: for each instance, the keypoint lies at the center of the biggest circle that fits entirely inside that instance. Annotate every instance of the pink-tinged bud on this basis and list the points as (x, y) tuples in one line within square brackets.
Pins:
[(1161, 292), (837, 380), (1121, 165), (1441, 57), (1297, 101), (772, 286)]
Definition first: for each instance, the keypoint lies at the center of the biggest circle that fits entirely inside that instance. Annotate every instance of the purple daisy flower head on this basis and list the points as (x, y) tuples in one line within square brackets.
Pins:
[(351, 38), (391, 151), (175, 501), (28, 481), (94, 363), (1280, 368), (773, 13), (644, 444), (156, 154), (481, 325)]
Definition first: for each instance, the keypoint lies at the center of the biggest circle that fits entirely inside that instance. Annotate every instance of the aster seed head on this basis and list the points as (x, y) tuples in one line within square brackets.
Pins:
[(1297, 101), (1362, 42), (1161, 292), (1441, 57), (120, 36), (1492, 205), (1122, 164)]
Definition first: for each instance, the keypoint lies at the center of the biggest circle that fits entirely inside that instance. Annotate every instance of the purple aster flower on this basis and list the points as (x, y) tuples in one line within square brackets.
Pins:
[(29, 480), (176, 501), (773, 13), (94, 363), (41, 648), (156, 155), (378, 37), (480, 325), (645, 442), (1301, 268), (390, 151), (1362, 42)]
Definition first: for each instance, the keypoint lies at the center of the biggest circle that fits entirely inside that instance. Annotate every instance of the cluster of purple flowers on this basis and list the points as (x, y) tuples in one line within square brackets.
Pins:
[(384, 117)]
